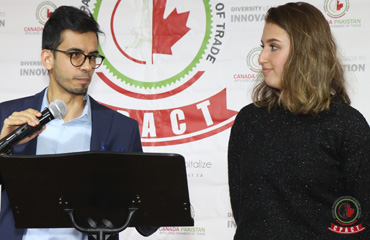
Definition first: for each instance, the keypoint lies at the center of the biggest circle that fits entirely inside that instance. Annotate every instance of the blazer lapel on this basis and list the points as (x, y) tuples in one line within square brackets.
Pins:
[(101, 126)]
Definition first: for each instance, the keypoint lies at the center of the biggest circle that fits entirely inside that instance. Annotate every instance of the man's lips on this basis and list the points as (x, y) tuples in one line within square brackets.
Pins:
[(84, 80)]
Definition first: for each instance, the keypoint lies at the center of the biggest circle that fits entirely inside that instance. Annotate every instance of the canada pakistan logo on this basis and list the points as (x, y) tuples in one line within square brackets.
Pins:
[(346, 211), (336, 8), (44, 10), (252, 60), (153, 53)]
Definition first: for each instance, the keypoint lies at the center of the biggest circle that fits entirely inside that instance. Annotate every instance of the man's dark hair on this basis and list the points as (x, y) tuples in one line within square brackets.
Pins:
[(67, 18)]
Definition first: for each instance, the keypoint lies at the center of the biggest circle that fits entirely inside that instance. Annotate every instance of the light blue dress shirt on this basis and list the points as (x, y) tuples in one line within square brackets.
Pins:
[(61, 137)]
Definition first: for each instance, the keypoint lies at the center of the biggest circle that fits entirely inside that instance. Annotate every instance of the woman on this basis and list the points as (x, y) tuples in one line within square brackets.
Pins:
[(300, 147)]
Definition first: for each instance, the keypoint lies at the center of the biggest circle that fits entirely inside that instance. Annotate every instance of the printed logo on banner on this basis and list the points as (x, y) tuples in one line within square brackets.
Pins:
[(346, 211), (32, 67), (253, 66), (252, 60), (43, 12), (153, 52), (184, 231), (336, 10)]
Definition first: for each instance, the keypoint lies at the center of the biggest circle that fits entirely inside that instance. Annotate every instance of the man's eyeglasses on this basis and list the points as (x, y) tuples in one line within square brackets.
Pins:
[(79, 58)]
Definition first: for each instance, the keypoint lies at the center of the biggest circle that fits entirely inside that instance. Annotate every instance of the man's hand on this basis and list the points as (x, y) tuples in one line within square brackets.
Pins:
[(17, 119)]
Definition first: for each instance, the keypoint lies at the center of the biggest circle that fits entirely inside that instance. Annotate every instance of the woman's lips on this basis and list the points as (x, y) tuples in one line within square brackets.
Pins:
[(266, 70)]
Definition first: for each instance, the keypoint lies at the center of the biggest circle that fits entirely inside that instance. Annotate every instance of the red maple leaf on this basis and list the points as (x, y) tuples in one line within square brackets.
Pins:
[(166, 32), (339, 5), (48, 14)]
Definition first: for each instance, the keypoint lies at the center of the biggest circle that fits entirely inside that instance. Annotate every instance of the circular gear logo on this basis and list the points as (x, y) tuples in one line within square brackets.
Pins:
[(336, 8), (147, 53), (252, 60), (155, 50), (346, 211), (44, 10)]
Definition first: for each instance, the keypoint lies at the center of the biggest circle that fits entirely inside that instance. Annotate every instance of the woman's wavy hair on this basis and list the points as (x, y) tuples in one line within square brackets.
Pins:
[(313, 74)]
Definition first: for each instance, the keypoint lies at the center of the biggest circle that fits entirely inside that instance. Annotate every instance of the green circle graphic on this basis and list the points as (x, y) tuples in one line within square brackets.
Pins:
[(250, 65), (39, 9), (335, 15), (335, 210), (174, 78)]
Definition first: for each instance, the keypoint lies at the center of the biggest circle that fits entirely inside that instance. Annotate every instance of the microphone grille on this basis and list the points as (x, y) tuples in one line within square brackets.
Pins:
[(58, 108)]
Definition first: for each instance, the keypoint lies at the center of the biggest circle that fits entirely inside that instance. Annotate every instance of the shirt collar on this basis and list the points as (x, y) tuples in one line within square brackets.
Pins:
[(86, 113)]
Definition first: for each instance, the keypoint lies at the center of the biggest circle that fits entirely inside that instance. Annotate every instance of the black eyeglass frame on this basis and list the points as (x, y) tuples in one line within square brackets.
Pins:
[(86, 56)]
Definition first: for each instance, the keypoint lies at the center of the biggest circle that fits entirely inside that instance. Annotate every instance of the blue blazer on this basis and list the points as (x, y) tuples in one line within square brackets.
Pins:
[(111, 131)]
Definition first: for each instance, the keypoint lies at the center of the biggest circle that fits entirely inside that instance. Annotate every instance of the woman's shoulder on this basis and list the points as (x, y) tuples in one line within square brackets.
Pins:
[(250, 109), (342, 109), (347, 115), (252, 115)]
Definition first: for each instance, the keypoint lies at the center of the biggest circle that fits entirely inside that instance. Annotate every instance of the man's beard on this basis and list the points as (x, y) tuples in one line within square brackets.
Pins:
[(77, 91), (74, 90)]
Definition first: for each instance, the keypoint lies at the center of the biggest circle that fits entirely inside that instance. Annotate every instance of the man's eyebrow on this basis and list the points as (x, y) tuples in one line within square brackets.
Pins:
[(73, 49)]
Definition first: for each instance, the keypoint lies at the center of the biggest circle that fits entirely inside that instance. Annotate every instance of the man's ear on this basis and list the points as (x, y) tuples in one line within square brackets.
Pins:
[(47, 58)]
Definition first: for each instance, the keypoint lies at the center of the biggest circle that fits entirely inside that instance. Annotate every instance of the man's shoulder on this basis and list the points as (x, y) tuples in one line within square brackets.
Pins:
[(107, 112), (16, 101), (22, 103)]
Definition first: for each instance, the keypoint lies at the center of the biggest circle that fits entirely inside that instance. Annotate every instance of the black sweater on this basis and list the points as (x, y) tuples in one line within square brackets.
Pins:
[(286, 171)]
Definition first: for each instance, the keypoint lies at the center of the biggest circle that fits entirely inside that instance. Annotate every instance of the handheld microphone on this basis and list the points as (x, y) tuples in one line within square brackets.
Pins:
[(57, 109)]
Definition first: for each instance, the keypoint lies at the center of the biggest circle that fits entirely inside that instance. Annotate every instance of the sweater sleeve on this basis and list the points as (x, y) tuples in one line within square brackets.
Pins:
[(355, 154)]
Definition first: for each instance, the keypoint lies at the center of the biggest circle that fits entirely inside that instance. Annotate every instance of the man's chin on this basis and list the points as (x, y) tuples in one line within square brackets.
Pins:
[(78, 91)]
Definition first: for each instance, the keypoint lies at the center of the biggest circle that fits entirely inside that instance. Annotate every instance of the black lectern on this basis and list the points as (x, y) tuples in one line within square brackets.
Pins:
[(83, 190)]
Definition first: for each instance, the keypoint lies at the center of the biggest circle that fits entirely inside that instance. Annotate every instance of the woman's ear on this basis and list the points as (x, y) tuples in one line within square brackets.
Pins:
[(47, 58)]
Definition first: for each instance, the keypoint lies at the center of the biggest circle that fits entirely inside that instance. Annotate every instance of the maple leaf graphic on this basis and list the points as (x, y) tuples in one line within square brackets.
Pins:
[(166, 32), (339, 5)]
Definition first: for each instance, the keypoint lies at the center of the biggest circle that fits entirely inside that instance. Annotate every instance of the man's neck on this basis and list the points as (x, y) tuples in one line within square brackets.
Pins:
[(75, 104)]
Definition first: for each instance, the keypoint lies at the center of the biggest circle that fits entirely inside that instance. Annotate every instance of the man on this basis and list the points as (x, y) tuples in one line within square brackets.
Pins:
[(70, 53)]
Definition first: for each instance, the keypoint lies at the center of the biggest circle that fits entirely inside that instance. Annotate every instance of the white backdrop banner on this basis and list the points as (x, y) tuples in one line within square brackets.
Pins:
[(183, 69)]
